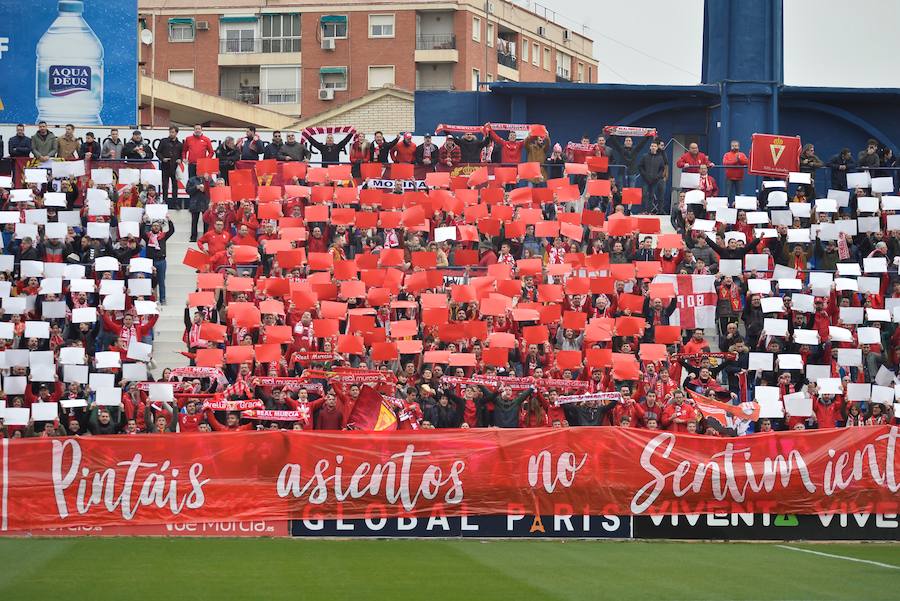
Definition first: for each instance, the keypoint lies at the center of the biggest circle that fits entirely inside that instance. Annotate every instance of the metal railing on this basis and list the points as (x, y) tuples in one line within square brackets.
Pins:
[(253, 95), (259, 45), (507, 60), (436, 41), (563, 75)]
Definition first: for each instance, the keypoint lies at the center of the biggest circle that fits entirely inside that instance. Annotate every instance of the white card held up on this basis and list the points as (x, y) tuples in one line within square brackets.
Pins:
[(82, 285), (35, 176), (14, 305), (37, 329), (782, 218), (848, 269), (694, 197), (161, 392), (841, 196), (98, 207), (110, 397), (799, 178), (703, 225), (859, 392), (36, 216), (99, 380), (20, 196), (842, 284), (129, 176), (875, 264), (690, 180), (26, 230), (800, 209), (893, 222), (798, 405), (112, 287), (6, 181), (820, 279), (44, 412), (767, 393), (884, 185), (40, 358), (774, 183), (890, 203), (56, 231), (765, 232), (71, 355), (867, 204), (868, 225), (790, 361), (771, 409), (726, 215), (772, 304), (445, 233), (849, 357), (54, 310), (851, 315), (778, 198), (760, 362), (16, 416), (96, 229), (140, 265), (106, 264), (131, 214), (134, 372), (7, 330), (858, 180), (139, 351), (72, 403), (114, 302), (826, 205), (55, 199), (14, 384), (84, 315), (816, 372), (757, 262), (829, 385), (75, 373), (741, 236), (882, 394), (129, 229), (156, 212), (790, 284), (730, 267), (745, 203), (757, 217), (775, 327), (108, 359), (42, 373), (758, 286), (838, 334), (798, 236), (784, 272), (143, 307), (51, 286), (102, 176), (877, 314), (139, 287)]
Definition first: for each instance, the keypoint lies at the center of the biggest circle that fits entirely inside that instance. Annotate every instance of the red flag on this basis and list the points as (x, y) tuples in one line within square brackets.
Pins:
[(774, 155), (719, 411), (370, 412)]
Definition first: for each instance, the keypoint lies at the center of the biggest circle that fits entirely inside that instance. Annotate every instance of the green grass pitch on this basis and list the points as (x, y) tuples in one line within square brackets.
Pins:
[(160, 569)]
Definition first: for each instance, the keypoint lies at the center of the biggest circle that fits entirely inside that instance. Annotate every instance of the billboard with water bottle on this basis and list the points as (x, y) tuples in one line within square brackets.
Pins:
[(68, 61)]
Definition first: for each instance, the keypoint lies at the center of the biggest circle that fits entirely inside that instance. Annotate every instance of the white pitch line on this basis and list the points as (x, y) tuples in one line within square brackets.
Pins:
[(845, 558)]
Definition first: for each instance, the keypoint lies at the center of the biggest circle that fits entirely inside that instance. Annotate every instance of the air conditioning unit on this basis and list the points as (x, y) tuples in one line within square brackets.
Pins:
[(327, 43), (202, 25), (567, 35), (542, 31), (326, 94)]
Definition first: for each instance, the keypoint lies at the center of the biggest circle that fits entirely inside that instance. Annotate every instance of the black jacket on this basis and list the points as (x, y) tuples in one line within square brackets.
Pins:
[(470, 151), (197, 201), (228, 157), (652, 167), (19, 146), (506, 411), (168, 151), (628, 156), (383, 151), (420, 154), (90, 147), (131, 151), (250, 149), (331, 153)]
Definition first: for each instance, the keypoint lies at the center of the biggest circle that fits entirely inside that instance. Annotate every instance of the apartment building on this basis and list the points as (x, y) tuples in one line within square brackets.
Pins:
[(302, 58)]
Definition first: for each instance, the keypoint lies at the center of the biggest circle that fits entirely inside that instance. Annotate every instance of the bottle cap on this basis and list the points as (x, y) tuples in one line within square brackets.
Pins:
[(71, 6)]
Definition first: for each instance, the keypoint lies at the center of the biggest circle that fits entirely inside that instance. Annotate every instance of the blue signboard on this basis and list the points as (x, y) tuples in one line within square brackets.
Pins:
[(68, 61)]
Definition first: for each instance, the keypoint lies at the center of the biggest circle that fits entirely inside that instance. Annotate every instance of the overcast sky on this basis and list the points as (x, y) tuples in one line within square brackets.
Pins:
[(827, 42)]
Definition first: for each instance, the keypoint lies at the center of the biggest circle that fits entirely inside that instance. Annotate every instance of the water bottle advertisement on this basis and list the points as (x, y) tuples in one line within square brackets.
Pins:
[(68, 61)]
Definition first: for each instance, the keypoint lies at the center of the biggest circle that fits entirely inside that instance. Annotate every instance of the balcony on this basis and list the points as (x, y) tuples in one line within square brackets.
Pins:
[(507, 60), (262, 96), (258, 51), (563, 75), (436, 48), (507, 66)]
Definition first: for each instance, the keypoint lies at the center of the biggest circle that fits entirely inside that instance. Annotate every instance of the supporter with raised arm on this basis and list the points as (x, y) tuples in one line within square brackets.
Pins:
[(510, 148), (331, 152)]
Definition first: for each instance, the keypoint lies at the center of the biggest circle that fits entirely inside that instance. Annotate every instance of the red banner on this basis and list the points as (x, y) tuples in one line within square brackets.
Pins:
[(774, 155), (246, 476)]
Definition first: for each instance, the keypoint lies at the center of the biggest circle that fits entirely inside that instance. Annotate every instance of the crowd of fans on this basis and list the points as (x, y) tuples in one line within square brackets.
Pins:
[(539, 295)]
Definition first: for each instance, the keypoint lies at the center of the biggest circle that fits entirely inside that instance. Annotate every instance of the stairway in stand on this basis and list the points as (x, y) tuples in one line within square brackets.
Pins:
[(180, 281)]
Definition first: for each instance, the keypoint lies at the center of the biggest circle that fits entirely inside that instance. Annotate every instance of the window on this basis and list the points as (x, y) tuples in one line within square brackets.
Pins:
[(476, 29), (476, 77), (546, 59), (490, 35), (334, 78), (590, 74), (181, 30), (490, 77), (334, 26), (239, 40), (380, 76), (524, 50), (281, 33), (182, 77), (536, 54), (279, 85), (581, 72), (381, 26)]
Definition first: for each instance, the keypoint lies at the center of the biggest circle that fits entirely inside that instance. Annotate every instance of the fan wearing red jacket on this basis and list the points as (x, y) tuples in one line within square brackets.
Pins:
[(691, 160), (404, 151), (128, 329), (510, 149), (678, 413), (196, 147), (215, 240), (734, 177), (232, 422)]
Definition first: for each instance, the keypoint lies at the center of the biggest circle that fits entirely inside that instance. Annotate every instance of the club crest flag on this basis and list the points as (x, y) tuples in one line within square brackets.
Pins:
[(696, 298), (774, 155)]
